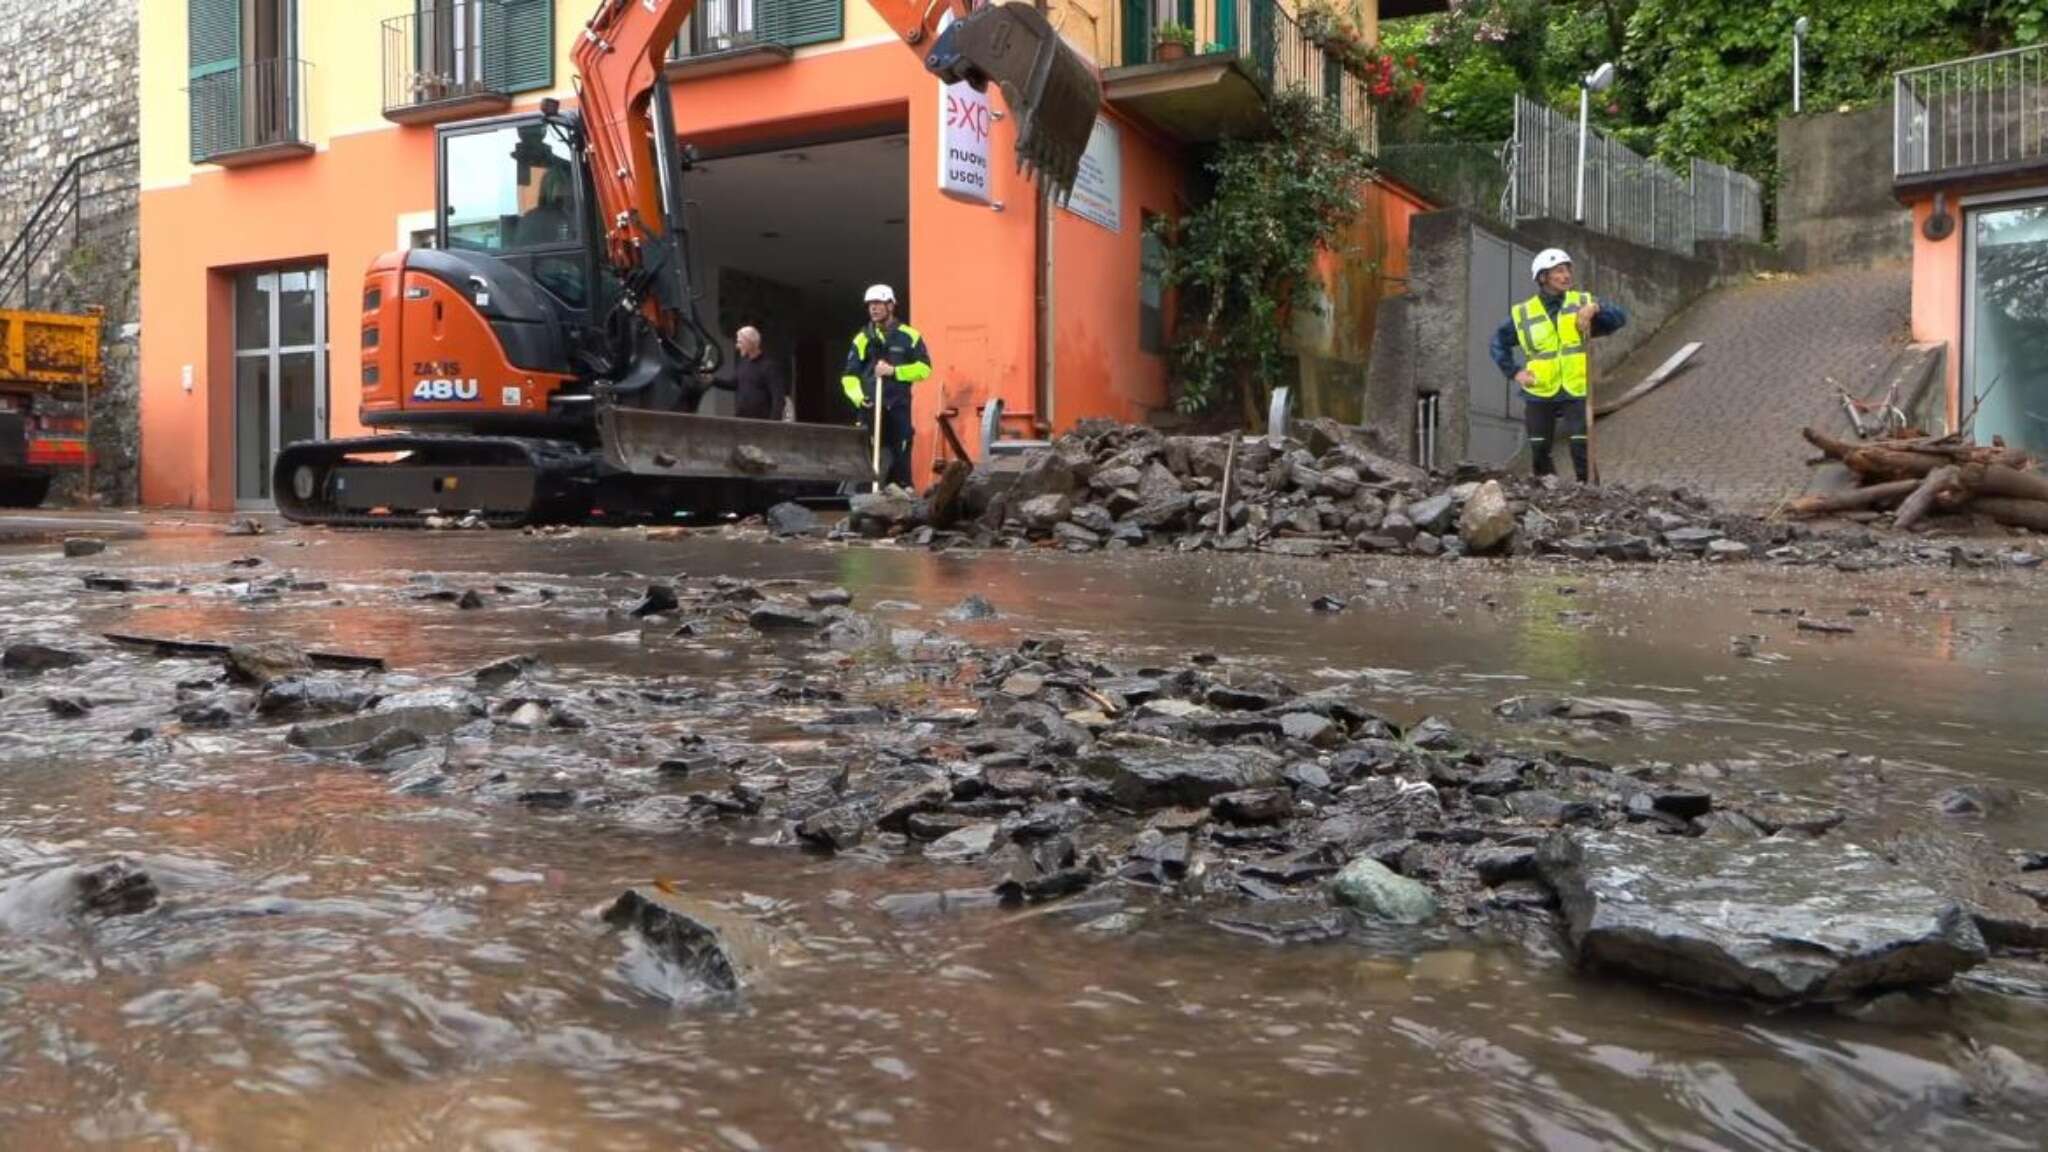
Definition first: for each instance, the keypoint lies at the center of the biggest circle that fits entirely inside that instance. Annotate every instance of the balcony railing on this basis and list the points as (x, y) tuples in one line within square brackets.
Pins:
[(446, 60), (251, 113), (1264, 38), (1982, 114)]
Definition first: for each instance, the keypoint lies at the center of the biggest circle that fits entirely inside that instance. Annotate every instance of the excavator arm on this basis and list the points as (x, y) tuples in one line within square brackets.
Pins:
[(630, 131)]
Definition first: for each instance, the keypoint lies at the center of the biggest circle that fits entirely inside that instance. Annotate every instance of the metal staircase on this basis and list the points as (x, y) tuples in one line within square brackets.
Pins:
[(94, 187)]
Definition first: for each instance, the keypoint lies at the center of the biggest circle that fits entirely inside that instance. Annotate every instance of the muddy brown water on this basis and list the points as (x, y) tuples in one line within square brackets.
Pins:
[(337, 967)]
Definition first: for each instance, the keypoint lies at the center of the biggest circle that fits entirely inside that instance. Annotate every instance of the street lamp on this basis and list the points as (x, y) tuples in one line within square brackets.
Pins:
[(1799, 29), (1597, 80)]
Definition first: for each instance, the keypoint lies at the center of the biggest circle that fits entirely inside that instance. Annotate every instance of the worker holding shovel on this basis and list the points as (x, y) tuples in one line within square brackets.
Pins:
[(1551, 329), (886, 358)]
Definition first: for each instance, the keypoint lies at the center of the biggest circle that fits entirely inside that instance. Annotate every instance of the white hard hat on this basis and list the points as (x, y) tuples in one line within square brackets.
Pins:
[(1546, 260), (882, 292)]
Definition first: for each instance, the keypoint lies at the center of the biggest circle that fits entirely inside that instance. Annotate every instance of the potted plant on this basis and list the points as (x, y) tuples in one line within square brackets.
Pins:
[(1172, 42)]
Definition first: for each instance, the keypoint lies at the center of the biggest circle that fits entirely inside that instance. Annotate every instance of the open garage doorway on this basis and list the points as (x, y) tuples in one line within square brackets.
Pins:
[(787, 240)]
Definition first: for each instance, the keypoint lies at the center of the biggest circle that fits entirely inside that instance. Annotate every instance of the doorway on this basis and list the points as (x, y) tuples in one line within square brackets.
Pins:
[(280, 370), (2005, 325), (791, 236)]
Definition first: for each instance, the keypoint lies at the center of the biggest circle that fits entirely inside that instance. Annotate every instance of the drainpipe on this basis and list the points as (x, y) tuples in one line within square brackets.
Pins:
[(1042, 376)]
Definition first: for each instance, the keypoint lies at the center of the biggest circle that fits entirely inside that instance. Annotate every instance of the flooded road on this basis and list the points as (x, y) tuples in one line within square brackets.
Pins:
[(337, 964)]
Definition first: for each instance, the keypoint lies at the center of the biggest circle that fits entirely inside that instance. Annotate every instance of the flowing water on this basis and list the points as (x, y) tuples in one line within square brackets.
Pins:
[(337, 967)]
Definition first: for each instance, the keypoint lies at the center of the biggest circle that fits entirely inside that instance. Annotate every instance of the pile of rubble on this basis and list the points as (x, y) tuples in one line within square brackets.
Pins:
[(1112, 486)]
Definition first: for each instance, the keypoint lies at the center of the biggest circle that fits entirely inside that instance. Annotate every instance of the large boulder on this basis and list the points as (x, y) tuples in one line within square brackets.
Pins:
[(1040, 513), (694, 948), (882, 513), (1781, 920), (1486, 523)]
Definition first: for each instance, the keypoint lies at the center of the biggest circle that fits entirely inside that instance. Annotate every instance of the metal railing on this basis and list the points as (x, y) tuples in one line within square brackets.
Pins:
[(1627, 196), (1981, 112), (95, 185), (255, 106), (444, 53), (1726, 205)]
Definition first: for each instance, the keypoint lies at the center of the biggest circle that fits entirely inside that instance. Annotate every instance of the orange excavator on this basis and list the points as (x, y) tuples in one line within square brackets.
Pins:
[(539, 364)]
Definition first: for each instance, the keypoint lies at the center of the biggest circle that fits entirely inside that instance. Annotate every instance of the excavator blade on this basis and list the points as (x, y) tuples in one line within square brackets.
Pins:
[(1052, 90), (645, 442)]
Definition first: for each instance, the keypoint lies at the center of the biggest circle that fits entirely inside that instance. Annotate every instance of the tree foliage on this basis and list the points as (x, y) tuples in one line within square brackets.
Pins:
[(1245, 255), (1708, 78)]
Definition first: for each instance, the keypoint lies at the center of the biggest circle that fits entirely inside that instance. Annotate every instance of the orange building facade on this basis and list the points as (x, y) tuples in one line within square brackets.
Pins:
[(287, 144)]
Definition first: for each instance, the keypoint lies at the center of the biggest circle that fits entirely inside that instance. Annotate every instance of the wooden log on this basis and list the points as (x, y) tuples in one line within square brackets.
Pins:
[(1916, 506), (2003, 480), (1895, 460), (2012, 513), (1852, 500), (944, 497)]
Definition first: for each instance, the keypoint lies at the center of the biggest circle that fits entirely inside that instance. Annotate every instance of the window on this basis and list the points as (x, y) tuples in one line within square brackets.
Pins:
[(510, 188), (1151, 286), (280, 370)]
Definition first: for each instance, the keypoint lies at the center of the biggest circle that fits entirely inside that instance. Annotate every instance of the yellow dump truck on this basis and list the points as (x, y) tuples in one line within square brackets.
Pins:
[(49, 368)]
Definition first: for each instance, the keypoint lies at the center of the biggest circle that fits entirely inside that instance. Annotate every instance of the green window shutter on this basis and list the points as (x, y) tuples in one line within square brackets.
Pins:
[(1137, 32), (799, 22), (528, 59), (214, 39)]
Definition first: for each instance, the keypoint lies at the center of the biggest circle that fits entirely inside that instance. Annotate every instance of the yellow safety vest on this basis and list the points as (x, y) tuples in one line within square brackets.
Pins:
[(1556, 351)]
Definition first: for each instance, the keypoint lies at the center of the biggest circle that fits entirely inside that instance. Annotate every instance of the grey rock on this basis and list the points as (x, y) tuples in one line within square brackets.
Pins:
[(1539, 807), (1777, 920), (828, 597), (79, 546), (1723, 551), (1111, 479), (1398, 527), (35, 659), (1522, 709), (1372, 888), (975, 607), (115, 888), (425, 714), (263, 663), (1486, 522), (659, 598), (678, 937), (1158, 483), (1496, 865), (790, 519), (1040, 513), (924, 796), (1293, 546), (1095, 518), (69, 706), (963, 845), (1663, 521), (300, 698), (1976, 800), (1148, 778), (1309, 728), (774, 617), (1159, 515), (1254, 806), (1691, 540), (1431, 515), (881, 513), (835, 829), (1076, 538), (1283, 922)]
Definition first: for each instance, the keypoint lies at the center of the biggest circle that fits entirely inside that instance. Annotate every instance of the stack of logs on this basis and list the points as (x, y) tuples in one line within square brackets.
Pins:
[(1923, 475)]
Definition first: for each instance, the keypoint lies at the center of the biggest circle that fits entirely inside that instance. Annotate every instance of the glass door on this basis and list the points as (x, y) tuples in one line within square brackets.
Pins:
[(280, 370), (2005, 326)]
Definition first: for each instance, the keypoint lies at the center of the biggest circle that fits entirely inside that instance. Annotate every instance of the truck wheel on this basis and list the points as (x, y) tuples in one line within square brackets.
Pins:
[(23, 491)]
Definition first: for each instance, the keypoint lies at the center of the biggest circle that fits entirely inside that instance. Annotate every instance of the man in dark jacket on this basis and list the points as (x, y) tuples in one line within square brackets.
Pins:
[(756, 381), (1551, 329)]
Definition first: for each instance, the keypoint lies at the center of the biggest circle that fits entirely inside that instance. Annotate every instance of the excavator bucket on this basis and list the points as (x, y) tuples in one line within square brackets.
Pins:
[(1052, 90)]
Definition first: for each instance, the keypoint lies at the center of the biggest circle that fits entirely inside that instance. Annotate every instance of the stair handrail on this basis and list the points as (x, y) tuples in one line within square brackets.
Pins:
[(37, 234)]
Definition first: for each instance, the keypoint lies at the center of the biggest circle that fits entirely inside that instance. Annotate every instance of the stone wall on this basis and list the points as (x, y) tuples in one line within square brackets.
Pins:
[(1835, 204), (69, 79)]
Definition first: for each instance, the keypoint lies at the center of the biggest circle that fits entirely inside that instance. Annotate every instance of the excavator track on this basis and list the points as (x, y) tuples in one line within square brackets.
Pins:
[(403, 481)]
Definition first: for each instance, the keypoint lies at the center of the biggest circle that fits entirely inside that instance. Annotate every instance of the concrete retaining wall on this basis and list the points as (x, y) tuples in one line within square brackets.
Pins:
[(1430, 342), (1835, 205)]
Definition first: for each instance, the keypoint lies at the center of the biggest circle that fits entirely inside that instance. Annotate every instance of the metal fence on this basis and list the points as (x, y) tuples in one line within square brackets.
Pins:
[(1726, 205), (1980, 112), (1627, 196)]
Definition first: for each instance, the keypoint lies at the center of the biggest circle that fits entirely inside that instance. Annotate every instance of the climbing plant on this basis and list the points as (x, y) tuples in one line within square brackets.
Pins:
[(1243, 258)]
